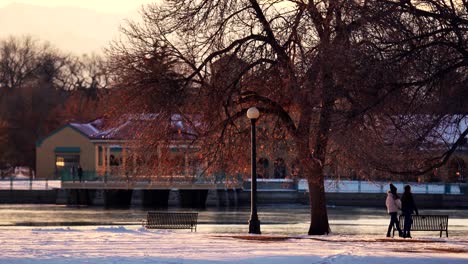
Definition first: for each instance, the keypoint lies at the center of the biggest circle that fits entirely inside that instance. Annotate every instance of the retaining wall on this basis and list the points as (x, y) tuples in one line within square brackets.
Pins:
[(213, 198), (28, 197)]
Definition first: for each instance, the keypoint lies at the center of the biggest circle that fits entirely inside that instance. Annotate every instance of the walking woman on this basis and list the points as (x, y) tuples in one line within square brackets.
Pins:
[(393, 204), (408, 207)]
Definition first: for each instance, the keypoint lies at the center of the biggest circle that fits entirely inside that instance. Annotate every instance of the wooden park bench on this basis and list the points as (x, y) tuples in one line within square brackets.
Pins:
[(426, 223), (171, 220)]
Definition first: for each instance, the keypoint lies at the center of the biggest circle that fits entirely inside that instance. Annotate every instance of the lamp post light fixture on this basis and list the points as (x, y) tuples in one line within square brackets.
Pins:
[(254, 223)]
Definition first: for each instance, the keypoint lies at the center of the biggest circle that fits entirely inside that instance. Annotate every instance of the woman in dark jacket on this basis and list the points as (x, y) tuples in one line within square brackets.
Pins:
[(407, 208)]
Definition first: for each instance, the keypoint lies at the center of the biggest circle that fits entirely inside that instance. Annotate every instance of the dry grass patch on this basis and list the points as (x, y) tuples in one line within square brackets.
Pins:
[(408, 240), (378, 240), (425, 250), (448, 250), (269, 238), (409, 250), (260, 238)]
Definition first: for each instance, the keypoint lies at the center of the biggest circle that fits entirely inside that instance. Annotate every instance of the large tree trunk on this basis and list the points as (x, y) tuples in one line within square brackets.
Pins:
[(318, 209), (313, 171), (314, 166)]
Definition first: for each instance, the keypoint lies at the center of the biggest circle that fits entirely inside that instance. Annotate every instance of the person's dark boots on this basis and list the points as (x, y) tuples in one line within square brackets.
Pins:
[(400, 234)]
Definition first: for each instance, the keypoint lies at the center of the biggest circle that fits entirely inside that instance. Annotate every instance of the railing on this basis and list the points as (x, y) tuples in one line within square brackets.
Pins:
[(93, 176), (382, 187), (67, 176), (331, 186), (31, 184)]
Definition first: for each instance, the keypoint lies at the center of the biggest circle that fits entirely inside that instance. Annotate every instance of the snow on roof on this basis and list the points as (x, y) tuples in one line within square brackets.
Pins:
[(87, 128), (447, 131), (434, 129), (452, 128), (118, 132), (130, 125)]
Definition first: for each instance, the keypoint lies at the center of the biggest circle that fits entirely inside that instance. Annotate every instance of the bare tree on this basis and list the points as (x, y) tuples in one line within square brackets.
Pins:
[(336, 81), (24, 65), (88, 72), (86, 81), (19, 61), (40, 89)]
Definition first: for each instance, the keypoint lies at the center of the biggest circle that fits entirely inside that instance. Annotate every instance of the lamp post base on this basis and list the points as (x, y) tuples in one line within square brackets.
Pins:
[(254, 226)]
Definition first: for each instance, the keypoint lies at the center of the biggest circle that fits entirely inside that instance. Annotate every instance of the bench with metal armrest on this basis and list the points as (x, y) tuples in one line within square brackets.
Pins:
[(426, 223), (171, 220)]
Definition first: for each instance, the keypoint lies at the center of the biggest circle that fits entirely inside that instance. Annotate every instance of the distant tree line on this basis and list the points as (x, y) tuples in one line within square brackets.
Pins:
[(42, 88)]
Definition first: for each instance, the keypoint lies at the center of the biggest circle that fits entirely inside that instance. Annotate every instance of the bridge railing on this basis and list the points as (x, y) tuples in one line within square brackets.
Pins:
[(93, 176), (346, 186), (11, 183), (331, 186)]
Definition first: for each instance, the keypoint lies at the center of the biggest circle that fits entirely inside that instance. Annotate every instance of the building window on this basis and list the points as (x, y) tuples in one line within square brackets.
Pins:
[(456, 170), (279, 169), (114, 161), (66, 163), (60, 162), (263, 164)]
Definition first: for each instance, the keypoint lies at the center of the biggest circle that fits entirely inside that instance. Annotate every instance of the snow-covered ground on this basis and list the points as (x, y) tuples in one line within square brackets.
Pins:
[(132, 244)]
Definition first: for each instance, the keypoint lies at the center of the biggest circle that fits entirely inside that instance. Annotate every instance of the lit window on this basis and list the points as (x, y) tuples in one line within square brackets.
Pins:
[(60, 162)]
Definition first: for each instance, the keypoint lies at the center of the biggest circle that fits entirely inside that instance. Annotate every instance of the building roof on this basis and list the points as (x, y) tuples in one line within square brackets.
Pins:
[(88, 128), (126, 129)]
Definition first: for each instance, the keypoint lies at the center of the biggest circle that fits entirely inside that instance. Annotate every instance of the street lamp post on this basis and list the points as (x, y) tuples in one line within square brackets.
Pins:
[(254, 223)]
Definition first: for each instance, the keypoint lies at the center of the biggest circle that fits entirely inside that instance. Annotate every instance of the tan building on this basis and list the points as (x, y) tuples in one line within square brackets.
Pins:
[(72, 146), (88, 151)]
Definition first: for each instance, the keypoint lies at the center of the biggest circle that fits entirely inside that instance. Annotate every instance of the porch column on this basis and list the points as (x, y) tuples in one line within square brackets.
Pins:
[(134, 156), (107, 158), (103, 157), (124, 158), (96, 157), (159, 161), (186, 164)]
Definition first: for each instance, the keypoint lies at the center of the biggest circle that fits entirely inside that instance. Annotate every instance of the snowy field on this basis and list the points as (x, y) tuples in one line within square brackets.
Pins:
[(132, 244)]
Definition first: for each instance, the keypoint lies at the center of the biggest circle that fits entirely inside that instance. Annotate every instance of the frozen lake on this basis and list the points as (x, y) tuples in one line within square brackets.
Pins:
[(277, 219)]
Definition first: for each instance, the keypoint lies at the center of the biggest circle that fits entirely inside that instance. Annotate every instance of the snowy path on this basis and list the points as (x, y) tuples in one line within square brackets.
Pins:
[(136, 245)]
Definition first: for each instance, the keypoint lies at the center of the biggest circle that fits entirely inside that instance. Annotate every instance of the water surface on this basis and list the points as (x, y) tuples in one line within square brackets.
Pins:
[(275, 219)]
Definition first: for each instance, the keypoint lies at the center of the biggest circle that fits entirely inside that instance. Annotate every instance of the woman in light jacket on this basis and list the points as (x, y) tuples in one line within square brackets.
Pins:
[(393, 204)]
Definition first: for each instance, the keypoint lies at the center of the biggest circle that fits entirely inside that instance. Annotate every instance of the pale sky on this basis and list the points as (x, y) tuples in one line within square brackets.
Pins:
[(78, 26), (109, 6)]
